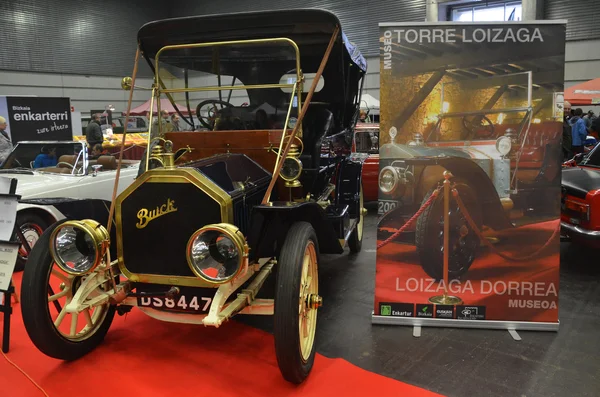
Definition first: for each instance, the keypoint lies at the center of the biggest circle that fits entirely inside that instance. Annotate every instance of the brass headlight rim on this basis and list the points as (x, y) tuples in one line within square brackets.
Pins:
[(396, 179), (92, 228), (300, 167), (230, 231)]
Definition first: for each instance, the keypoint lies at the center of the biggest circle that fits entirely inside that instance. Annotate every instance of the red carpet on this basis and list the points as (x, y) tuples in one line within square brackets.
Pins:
[(143, 356)]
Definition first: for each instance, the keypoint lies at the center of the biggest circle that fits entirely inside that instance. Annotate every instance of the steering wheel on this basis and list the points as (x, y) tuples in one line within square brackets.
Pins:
[(473, 126), (209, 121)]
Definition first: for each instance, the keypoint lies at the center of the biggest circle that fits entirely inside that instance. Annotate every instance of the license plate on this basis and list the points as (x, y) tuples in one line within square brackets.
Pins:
[(188, 303), (386, 206)]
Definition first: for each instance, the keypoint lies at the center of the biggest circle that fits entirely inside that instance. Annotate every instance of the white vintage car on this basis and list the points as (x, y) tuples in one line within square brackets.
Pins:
[(55, 190)]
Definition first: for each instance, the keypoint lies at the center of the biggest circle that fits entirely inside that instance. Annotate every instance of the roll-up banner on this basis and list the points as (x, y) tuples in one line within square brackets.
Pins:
[(470, 170), (37, 118)]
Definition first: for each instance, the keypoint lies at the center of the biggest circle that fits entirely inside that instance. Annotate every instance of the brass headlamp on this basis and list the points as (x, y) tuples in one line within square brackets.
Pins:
[(292, 166), (217, 253), (78, 247)]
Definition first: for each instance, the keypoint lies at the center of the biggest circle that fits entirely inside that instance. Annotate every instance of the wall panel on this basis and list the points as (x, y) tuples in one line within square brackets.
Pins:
[(582, 16), (87, 37)]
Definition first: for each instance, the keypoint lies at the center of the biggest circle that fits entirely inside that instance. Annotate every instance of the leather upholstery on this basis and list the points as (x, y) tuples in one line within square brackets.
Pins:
[(107, 162), (66, 158)]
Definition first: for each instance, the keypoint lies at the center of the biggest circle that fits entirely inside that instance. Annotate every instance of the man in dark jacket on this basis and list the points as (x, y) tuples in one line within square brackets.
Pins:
[(93, 132)]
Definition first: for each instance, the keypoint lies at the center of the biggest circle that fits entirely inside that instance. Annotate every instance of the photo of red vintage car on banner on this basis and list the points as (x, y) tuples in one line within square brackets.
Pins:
[(469, 172)]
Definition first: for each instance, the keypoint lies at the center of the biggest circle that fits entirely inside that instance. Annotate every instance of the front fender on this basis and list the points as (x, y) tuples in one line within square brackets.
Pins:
[(348, 182), (51, 213), (270, 224)]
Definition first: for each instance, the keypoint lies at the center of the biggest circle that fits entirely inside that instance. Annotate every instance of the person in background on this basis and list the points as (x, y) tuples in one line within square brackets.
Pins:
[(47, 158), (165, 124), (594, 129), (578, 131), (5, 141), (566, 137), (587, 118), (93, 131), (175, 122), (97, 151)]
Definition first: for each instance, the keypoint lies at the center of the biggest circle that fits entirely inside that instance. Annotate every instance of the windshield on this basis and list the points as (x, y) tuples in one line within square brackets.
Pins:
[(53, 157), (592, 159), (243, 86)]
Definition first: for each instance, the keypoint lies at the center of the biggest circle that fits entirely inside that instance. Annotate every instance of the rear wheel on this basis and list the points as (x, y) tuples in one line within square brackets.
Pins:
[(297, 302), (46, 292), (463, 241), (32, 226)]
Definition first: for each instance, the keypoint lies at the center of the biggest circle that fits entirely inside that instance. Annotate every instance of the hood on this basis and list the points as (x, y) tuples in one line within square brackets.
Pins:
[(579, 181), (391, 150)]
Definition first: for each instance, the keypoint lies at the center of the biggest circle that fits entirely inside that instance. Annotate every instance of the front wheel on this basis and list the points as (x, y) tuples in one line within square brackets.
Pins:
[(463, 241), (56, 327), (296, 302)]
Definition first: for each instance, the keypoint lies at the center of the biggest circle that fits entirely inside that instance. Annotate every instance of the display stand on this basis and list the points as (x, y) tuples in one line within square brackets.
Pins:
[(8, 252)]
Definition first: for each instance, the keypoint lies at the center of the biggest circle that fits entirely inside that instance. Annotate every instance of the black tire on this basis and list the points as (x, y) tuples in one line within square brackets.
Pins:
[(429, 234), (356, 238), (292, 365), (36, 312), (30, 223)]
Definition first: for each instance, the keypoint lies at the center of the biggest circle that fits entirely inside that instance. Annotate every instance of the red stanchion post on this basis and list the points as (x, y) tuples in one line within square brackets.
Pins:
[(446, 299)]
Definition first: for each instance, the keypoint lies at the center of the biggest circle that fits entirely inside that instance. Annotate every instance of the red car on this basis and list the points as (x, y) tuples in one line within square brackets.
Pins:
[(580, 200), (367, 141)]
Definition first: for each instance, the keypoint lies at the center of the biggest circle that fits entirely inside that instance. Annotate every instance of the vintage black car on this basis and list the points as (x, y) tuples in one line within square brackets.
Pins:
[(269, 185)]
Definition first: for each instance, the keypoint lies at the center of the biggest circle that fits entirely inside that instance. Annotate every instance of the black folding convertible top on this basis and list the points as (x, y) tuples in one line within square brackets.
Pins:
[(311, 29)]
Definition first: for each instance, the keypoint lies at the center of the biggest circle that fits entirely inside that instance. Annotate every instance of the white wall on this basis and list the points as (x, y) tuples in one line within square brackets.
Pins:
[(86, 92), (582, 61)]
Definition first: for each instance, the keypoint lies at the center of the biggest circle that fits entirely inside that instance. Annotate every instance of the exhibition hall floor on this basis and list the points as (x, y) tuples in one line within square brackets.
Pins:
[(154, 358), (460, 362)]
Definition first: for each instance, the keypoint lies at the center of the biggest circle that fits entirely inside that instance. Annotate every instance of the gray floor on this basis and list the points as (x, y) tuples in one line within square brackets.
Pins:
[(457, 362)]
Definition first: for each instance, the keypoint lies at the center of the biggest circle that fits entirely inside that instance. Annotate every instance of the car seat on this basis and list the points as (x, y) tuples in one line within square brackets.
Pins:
[(66, 158), (107, 162)]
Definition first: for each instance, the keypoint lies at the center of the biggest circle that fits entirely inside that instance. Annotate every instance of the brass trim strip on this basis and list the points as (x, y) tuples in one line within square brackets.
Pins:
[(285, 127), (150, 116), (226, 87), (178, 175), (232, 42)]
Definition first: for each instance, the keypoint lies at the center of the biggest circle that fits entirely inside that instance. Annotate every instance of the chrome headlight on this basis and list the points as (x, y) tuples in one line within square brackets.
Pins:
[(217, 253), (504, 145), (78, 247), (388, 179)]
